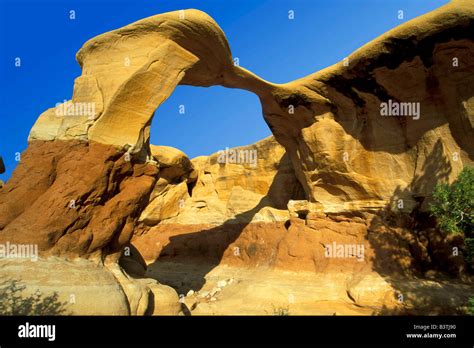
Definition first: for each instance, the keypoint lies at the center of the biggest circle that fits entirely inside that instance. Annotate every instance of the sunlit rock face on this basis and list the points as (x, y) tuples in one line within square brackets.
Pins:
[(381, 126), (373, 132)]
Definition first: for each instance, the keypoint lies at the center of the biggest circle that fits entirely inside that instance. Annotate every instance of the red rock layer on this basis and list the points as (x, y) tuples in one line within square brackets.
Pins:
[(74, 198), (390, 245)]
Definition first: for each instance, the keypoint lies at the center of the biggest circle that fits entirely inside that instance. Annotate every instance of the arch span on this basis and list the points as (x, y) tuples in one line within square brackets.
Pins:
[(182, 47), (344, 153)]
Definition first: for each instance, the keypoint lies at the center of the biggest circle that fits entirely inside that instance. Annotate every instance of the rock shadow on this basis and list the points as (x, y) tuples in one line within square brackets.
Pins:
[(412, 255), (15, 301), (191, 256)]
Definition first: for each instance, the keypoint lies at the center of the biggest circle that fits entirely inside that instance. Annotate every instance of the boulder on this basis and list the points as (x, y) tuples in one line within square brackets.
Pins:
[(83, 287), (173, 163)]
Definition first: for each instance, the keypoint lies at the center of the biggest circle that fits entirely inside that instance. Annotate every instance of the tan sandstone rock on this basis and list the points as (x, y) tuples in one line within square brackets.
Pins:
[(89, 183), (83, 286), (345, 153)]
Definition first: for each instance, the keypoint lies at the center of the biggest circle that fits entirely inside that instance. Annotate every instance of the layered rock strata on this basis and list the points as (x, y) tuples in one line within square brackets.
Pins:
[(371, 133)]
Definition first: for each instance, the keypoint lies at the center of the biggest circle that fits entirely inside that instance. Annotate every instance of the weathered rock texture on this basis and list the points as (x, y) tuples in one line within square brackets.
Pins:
[(89, 181), (340, 146), (215, 192), (343, 153), (77, 198), (88, 288)]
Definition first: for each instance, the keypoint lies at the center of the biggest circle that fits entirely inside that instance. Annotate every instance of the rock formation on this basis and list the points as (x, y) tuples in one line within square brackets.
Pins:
[(338, 167), (2, 170)]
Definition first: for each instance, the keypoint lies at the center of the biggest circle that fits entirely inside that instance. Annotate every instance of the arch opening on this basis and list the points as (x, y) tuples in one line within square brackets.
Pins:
[(202, 121)]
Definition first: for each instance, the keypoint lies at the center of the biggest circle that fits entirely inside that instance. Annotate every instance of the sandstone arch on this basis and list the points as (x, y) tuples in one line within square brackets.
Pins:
[(181, 47), (128, 72), (337, 106)]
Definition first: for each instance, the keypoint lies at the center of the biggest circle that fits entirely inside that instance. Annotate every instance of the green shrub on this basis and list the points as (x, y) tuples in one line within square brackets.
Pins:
[(453, 209), (470, 306), (469, 243), (453, 204)]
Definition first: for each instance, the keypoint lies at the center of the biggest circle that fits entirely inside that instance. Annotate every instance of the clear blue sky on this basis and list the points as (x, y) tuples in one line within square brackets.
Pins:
[(259, 32)]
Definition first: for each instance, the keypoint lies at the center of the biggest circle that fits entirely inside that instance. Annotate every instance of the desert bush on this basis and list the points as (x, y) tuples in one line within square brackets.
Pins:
[(470, 306), (453, 209), (469, 255), (453, 204)]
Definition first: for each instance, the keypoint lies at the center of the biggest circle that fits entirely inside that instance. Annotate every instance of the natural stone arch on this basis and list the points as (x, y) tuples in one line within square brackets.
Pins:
[(336, 110), (130, 71), (184, 47)]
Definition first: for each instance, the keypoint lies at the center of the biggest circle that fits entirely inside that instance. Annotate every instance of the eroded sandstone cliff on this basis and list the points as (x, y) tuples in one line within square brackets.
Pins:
[(336, 170)]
